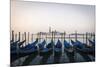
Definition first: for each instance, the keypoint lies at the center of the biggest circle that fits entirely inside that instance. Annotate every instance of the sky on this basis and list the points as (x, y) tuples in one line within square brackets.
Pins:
[(39, 16)]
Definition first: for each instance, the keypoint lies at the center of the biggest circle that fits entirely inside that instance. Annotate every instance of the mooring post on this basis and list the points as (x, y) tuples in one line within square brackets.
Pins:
[(25, 38), (86, 38), (18, 40), (46, 39), (52, 36), (83, 37), (94, 36), (12, 35), (28, 37), (63, 38), (22, 38), (90, 37), (52, 42), (17, 50), (32, 37), (75, 35), (64, 34), (19, 37), (39, 36), (69, 38)]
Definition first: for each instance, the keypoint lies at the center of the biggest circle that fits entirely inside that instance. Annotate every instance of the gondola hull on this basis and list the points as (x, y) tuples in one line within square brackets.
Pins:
[(87, 51), (57, 51), (70, 53), (57, 54), (46, 51), (16, 55)]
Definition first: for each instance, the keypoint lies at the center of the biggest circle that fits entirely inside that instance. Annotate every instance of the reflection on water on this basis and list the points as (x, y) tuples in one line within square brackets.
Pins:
[(31, 60)]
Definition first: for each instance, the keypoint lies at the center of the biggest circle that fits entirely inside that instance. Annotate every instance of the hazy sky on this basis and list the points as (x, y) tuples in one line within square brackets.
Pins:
[(39, 16)]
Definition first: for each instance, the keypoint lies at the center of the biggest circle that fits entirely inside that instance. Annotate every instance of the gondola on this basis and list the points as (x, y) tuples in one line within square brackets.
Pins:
[(46, 52), (67, 46), (58, 48), (83, 51), (77, 44), (69, 51), (15, 44), (90, 51), (80, 47), (24, 51), (41, 45), (57, 51)]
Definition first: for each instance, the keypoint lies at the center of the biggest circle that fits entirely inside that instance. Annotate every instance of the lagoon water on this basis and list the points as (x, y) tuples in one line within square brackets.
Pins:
[(63, 59)]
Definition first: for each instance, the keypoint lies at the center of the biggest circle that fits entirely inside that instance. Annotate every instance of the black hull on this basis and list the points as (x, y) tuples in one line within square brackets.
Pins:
[(45, 56), (92, 52), (29, 59), (15, 56), (85, 54), (70, 53), (57, 56), (45, 53)]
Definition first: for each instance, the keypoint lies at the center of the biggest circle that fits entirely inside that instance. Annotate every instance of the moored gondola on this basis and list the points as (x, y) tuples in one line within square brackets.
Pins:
[(57, 51), (58, 47), (46, 52), (69, 50), (82, 50), (88, 51), (14, 47), (77, 44), (41, 45), (24, 51)]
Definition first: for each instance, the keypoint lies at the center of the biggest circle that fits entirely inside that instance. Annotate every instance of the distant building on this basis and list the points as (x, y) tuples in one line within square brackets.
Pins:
[(49, 32)]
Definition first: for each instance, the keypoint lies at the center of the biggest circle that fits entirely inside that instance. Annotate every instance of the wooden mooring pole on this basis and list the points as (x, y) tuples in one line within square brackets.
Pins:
[(52, 42), (86, 38), (12, 40), (28, 37), (19, 37), (32, 37), (46, 39), (25, 38), (75, 35), (22, 39), (69, 38), (83, 38)]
